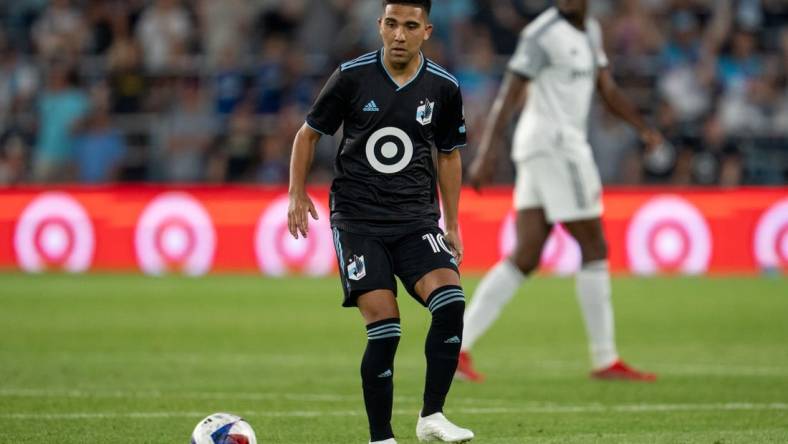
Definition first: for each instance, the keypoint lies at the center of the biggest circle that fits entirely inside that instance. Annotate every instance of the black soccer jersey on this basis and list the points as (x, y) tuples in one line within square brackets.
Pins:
[(385, 179)]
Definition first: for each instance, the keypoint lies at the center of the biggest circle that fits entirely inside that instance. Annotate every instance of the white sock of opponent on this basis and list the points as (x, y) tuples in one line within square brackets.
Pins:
[(493, 293), (593, 294)]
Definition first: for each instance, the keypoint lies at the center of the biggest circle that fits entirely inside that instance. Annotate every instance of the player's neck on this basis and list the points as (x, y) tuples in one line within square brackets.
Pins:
[(402, 73), (576, 20)]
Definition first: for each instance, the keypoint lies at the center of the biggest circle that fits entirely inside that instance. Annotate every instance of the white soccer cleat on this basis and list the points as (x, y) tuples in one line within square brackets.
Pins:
[(437, 428), (386, 441)]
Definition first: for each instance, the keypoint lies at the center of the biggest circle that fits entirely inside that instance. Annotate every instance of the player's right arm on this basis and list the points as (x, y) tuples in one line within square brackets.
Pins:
[(507, 102), (325, 118), (300, 162)]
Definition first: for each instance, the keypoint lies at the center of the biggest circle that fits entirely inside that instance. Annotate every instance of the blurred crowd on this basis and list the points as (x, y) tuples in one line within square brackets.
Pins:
[(213, 91)]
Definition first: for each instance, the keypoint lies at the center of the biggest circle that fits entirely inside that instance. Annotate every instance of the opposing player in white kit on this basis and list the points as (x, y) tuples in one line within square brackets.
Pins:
[(560, 61)]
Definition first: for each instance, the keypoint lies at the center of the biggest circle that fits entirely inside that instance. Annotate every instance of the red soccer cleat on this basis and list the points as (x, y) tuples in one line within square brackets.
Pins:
[(465, 370), (622, 372)]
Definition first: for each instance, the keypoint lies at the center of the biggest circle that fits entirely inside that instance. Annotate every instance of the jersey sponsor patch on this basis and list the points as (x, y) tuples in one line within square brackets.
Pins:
[(389, 150)]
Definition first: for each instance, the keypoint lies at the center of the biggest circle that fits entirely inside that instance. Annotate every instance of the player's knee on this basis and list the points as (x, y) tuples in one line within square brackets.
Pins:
[(377, 313), (447, 305), (594, 249), (526, 260)]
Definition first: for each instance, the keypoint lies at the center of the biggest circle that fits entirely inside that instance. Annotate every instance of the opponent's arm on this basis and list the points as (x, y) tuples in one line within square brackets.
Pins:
[(300, 162), (621, 106), (508, 101), (450, 182)]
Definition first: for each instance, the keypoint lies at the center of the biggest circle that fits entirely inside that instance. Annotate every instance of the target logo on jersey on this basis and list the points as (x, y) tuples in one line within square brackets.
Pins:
[(560, 255), (389, 150), (278, 253), (771, 237), (54, 232), (668, 234), (175, 234)]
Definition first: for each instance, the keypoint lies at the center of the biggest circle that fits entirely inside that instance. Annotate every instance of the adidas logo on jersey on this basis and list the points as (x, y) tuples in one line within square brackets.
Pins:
[(452, 340), (371, 107), (387, 374)]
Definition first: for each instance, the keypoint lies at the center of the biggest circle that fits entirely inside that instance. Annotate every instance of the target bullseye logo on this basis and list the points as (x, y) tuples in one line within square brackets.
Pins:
[(54, 232), (771, 237), (175, 233), (389, 150), (175, 240), (278, 253), (560, 255), (668, 234)]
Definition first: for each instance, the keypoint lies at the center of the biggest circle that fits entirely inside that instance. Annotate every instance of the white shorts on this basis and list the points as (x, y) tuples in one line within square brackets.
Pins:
[(566, 184)]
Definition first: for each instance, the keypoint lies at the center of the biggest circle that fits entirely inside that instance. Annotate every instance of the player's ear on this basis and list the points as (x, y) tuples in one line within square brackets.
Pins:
[(427, 31)]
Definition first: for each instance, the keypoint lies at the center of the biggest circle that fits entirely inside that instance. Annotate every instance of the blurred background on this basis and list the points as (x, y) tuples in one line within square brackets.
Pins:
[(206, 91)]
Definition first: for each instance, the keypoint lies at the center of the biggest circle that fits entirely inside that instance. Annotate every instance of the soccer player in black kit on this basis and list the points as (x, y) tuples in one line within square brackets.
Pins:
[(395, 105)]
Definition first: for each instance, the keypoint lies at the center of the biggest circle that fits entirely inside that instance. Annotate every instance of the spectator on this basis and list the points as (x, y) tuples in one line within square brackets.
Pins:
[(100, 147), (235, 152), (740, 64), (273, 166), (14, 153), (60, 31), (163, 32), (717, 160), (270, 75), (126, 82), (61, 107), (225, 24), (633, 32), (18, 83), (683, 48), (229, 86), (185, 134)]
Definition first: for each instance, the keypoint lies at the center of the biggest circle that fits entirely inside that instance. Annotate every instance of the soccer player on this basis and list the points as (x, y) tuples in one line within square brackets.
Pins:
[(560, 61), (394, 105)]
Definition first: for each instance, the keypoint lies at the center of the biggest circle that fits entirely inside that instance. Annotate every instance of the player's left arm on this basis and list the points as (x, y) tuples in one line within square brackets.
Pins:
[(450, 182), (450, 137), (622, 107)]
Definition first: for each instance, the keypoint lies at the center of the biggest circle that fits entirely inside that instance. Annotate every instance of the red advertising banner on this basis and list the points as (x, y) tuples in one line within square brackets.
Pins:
[(196, 230)]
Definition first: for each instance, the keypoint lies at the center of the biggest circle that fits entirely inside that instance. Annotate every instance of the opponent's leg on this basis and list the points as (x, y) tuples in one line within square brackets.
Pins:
[(594, 295), (501, 283)]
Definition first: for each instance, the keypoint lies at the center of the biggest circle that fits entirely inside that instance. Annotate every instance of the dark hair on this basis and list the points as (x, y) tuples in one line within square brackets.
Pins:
[(425, 4)]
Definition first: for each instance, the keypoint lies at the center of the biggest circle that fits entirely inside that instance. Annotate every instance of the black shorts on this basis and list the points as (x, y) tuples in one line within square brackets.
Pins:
[(368, 263)]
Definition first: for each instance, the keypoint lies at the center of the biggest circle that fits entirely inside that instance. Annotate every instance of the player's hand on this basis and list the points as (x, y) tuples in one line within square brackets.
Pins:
[(480, 172), (652, 139), (454, 242), (297, 219)]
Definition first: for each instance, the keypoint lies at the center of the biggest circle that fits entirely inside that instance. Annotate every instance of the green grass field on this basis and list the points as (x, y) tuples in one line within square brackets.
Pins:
[(127, 359)]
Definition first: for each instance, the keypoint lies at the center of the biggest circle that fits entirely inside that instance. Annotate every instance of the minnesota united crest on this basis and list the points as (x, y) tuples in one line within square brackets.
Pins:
[(424, 112), (356, 269)]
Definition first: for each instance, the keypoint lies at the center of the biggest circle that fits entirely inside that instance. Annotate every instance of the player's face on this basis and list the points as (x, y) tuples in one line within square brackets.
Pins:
[(404, 29), (572, 8)]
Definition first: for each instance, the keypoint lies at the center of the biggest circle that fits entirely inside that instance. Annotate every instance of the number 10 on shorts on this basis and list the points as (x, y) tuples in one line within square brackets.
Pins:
[(437, 243)]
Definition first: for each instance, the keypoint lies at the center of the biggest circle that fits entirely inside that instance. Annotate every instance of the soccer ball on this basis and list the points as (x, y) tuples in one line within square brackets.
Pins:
[(223, 428)]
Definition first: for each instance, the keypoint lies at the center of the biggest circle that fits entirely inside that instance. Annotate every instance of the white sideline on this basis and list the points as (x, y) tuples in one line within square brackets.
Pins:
[(544, 409)]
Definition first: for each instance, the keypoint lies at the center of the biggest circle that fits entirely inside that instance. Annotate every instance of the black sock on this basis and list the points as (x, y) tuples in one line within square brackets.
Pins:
[(377, 372), (442, 347)]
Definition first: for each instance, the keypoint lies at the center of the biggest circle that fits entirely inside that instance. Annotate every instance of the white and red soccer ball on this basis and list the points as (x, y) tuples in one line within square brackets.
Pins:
[(223, 428)]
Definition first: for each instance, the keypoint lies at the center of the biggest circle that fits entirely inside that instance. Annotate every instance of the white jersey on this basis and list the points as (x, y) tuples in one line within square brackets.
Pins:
[(561, 63)]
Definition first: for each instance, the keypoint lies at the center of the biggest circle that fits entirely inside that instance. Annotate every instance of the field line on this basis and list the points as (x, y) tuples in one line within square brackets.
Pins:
[(543, 409)]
